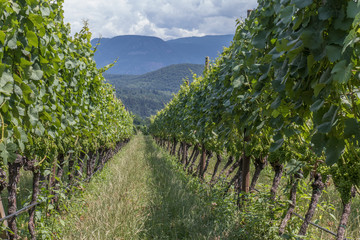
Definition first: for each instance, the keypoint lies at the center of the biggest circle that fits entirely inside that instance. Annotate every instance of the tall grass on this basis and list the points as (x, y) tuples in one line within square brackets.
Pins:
[(139, 196), (116, 202), (181, 208), (144, 194), (327, 215)]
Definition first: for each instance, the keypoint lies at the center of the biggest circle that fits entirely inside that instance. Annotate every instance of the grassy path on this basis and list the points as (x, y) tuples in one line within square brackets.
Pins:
[(116, 201), (138, 195)]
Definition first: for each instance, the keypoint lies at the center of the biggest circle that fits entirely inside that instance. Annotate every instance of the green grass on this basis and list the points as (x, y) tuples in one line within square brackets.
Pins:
[(180, 209), (328, 212), (116, 201), (143, 194), (140, 195)]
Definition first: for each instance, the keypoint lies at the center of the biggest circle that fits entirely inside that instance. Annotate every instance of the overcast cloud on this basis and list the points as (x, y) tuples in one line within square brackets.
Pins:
[(166, 19)]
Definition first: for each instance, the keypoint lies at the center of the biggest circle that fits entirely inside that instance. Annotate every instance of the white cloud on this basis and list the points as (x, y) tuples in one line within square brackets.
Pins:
[(161, 18)]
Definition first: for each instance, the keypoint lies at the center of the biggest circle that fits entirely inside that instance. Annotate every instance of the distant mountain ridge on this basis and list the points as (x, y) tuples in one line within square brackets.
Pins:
[(141, 54)]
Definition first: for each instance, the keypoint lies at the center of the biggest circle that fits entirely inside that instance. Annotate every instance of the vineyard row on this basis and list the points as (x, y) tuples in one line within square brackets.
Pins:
[(286, 92), (57, 113)]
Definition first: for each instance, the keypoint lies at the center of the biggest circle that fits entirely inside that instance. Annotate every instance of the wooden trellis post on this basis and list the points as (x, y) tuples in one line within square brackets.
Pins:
[(206, 63), (3, 235)]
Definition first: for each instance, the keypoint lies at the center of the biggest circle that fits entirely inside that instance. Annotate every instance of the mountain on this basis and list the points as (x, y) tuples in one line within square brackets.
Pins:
[(145, 94), (141, 54), (165, 79), (195, 49), (149, 70)]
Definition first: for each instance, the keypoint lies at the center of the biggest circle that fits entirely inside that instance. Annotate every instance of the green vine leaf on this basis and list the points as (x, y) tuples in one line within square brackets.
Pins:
[(352, 9), (6, 84), (12, 43), (341, 72), (32, 39), (2, 37), (333, 52), (334, 149)]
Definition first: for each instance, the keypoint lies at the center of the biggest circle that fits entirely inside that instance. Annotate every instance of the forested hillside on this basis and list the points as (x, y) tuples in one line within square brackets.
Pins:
[(147, 93)]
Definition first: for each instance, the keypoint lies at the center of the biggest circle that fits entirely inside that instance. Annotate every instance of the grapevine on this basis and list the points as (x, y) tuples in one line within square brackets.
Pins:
[(287, 89), (56, 108)]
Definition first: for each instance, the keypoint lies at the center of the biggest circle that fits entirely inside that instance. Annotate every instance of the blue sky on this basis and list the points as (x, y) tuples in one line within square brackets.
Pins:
[(166, 19)]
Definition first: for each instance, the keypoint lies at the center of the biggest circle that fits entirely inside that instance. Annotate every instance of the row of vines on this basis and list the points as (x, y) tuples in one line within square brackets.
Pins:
[(286, 92), (59, 119)]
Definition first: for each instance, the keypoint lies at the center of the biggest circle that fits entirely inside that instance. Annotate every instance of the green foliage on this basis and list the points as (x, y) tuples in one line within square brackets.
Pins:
[(146, 94), (166, 79), (158, 202), (52, 89), (260, 220), (53, 99), (288, 82), (143, 102), (138, 121)]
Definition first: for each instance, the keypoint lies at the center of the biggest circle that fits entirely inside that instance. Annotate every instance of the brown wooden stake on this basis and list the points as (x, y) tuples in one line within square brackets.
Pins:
[(245, 174), (3, 235), (207, 64)]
